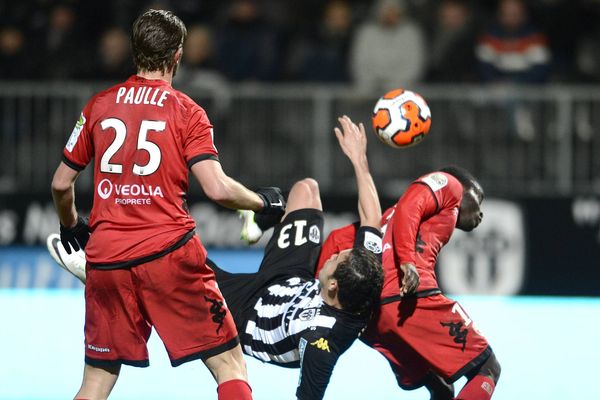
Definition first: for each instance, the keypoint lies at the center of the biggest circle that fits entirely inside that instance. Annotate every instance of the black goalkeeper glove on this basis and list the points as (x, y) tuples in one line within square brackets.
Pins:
[(76, 237), (273, 209)]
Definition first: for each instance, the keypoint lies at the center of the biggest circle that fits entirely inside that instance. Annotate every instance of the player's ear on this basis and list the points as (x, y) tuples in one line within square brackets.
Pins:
[(178, 54), (332, 285)]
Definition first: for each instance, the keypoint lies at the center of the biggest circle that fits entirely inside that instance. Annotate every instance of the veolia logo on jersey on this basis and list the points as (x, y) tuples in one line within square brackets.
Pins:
[(106, 187)]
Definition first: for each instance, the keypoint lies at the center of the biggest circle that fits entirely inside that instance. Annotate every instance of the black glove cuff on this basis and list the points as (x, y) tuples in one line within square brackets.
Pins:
[(81, 223)]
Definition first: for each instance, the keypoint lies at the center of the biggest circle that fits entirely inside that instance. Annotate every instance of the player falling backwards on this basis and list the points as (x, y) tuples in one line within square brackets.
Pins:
[(428, 339), (284, 315), (145, 264)]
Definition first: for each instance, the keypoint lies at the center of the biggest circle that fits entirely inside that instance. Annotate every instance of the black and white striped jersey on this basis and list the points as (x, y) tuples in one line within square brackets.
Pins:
[(279, 312), (293, 327)]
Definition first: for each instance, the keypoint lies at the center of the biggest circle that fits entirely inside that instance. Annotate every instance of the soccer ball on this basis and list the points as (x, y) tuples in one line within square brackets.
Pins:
[(401, 118)]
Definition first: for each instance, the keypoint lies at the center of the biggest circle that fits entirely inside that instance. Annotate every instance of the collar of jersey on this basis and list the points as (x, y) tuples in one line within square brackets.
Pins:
[(149, 82)]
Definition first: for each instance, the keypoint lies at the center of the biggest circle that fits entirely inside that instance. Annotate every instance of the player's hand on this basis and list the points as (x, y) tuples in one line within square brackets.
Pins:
[(352, 138), (75, 237), (410, 281), (273, 207), (273, 200)]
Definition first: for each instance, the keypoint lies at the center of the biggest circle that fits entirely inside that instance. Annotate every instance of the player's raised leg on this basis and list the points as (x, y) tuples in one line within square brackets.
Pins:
[(304, 194)]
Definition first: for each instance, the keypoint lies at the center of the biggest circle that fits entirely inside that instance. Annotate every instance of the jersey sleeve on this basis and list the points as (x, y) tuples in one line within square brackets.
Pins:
[(318, 356), (79, 150), (338, 240), (417, 204), (198, 143)]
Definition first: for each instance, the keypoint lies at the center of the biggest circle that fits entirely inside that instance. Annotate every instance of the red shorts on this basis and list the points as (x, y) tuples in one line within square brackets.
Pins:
[(176, 293), (426, 334)]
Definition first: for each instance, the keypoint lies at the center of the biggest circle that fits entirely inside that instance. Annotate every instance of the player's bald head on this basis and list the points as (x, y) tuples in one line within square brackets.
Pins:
[(155, 38)]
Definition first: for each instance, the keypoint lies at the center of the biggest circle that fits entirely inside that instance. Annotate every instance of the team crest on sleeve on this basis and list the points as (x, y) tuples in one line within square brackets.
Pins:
[(314, 234), (372, 243), (308, 314), (435, 181), (76, 132)]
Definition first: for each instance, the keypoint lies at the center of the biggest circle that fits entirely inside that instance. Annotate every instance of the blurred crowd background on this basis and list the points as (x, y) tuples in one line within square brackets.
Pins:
[(371, 44)]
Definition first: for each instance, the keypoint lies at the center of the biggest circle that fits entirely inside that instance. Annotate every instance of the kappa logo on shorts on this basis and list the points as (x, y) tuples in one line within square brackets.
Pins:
[(98, 348), (321, 344), (217, 311), (457, 331)]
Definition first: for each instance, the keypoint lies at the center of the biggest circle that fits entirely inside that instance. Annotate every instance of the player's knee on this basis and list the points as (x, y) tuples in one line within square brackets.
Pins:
[(305, 194), (309, 187), (439, 389), (491, 368), (313, 186), (495, 369)]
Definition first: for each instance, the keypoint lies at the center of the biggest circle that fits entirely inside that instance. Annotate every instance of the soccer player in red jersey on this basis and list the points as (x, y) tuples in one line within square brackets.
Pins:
[(145, 265), (428, 339)]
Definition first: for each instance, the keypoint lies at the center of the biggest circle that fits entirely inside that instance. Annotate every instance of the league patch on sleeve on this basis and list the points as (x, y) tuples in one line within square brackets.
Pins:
[(435, 181), (75, 134), (372, 243)]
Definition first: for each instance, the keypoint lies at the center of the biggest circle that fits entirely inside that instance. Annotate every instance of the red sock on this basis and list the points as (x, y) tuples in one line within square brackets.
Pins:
[(479, 388), (235, 389)]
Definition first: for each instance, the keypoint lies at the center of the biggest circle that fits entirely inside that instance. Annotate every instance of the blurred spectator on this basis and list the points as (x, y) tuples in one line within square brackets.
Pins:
[(452, 56), (513, 50), (64, 52), (114, 61), (322, 55), (588, 57), (198, 69), (14, 60), (198, 66), (249, 46), (587, 48), (389, 51)]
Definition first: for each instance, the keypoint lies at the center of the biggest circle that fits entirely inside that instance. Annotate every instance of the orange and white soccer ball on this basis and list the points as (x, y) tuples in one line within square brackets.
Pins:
[(401, 118)]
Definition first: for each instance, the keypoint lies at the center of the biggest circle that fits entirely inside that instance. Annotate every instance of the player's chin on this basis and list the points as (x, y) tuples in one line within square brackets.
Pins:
[(468, 227)]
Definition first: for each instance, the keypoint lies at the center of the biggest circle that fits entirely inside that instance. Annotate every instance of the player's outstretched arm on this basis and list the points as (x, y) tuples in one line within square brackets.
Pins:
[(353, 141), (229, 193)]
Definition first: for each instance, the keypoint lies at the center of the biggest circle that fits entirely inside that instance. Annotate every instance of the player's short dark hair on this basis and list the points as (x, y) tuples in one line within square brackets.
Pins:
[(360, 279), (155, 38), (466, 179)]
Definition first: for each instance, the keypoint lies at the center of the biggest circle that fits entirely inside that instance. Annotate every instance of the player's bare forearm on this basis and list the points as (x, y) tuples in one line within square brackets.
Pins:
[(369, 207), (237, 196), (224, 190), (63, 194), (353, 141)]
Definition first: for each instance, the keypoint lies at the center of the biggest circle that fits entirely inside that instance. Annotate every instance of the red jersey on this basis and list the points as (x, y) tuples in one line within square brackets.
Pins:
[(144, 136), (415, 230)]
